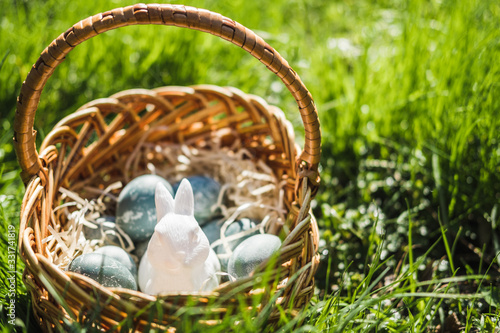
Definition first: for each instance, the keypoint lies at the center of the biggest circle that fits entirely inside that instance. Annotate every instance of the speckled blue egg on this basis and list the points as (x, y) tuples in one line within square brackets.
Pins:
[(206, 192), (119, 255), (106, 230), (136, 212), (103, 269), (252, 252), (234, 228), (212, 230)]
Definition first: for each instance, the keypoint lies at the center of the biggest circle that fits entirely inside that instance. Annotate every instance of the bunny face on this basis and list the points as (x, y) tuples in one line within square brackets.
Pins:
[(178, 241)]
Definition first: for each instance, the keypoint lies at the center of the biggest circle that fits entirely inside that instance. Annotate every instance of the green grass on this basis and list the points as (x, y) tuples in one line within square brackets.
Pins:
[(408, 98)]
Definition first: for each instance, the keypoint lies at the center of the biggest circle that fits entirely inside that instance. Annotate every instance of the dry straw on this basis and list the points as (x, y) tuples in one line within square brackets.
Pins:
[(110, 141)]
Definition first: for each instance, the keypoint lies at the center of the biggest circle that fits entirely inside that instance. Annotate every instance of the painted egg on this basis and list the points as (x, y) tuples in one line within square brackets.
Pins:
[(136, 212), (105, 229), (206, 192), (252, 252), (140, 249), (212, 230), (119, 255), (103, 269), (234, 228)]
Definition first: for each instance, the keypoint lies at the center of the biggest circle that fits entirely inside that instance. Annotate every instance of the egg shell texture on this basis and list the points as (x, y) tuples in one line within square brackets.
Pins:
[(234, 228), (119, 255), (252, 252), (206, 192), (140, 249), (136, 212), (212, 230), (103, 269)]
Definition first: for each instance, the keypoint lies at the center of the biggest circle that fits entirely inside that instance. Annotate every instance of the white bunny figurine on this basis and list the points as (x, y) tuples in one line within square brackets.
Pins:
[(179, 257)]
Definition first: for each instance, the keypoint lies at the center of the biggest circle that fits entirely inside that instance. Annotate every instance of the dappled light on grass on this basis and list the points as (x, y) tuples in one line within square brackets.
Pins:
[(408, 98)]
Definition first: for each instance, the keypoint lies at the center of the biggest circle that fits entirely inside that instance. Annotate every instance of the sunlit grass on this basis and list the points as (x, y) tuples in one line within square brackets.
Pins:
[(408, 98)]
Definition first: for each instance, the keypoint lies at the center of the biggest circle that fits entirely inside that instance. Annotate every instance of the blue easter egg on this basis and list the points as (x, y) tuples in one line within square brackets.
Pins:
[(252, 252), (206, 192), (119, 255), (103, 269), (140, 249), (105, 230), (212, 230), (234, 228), (136, 211)]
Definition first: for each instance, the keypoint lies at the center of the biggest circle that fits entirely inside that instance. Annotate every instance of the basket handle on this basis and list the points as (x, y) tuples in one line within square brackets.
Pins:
[(165, 14)]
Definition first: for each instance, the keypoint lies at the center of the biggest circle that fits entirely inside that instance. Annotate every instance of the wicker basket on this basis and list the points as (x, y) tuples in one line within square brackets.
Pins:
[(91, 146)]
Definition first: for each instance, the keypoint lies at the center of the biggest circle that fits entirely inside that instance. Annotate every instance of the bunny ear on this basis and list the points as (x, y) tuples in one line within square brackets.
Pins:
[(184, 200), (164, 201)]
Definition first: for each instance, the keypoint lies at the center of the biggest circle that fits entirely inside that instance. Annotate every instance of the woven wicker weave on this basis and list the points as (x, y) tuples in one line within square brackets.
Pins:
[(90, 148)]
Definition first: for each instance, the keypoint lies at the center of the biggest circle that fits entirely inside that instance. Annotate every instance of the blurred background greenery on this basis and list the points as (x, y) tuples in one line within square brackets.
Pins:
[(408, 98)]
